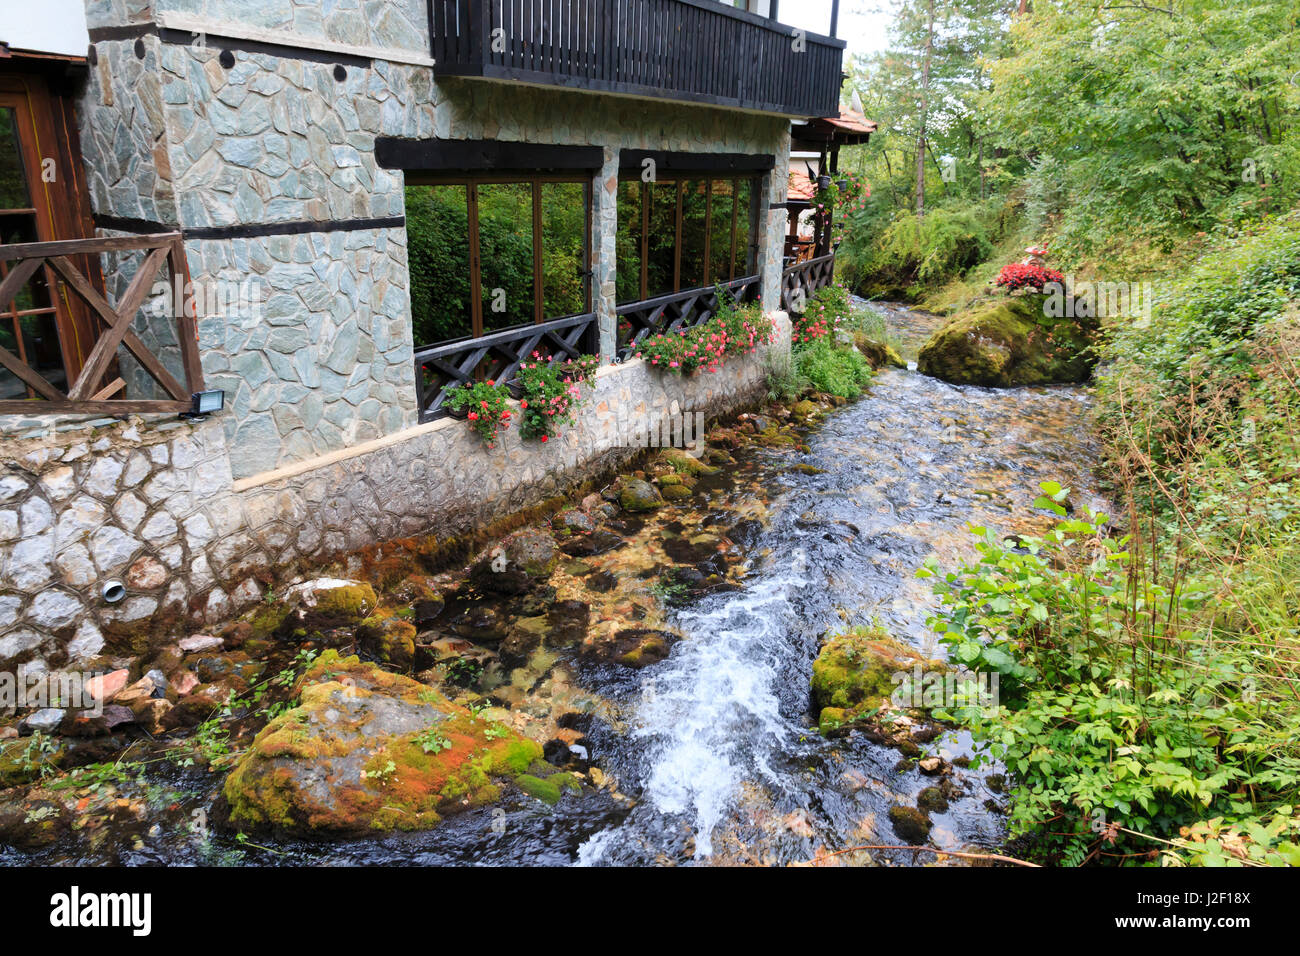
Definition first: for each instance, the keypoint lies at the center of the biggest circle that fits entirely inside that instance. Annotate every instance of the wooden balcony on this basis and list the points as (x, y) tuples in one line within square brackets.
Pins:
[(695, 51)]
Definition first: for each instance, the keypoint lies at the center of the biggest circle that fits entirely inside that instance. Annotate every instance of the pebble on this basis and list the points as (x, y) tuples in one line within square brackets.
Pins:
[(199, 642)]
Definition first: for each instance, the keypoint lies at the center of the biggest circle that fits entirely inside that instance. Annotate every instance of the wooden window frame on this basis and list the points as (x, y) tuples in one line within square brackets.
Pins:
[(679, 178), (47, 129), (471, 183)]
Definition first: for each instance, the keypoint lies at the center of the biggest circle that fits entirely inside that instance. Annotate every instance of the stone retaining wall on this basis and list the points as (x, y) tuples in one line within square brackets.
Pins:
[(156, 507)]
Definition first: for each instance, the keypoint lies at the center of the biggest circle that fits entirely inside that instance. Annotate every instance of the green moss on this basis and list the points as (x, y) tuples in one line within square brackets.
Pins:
[(685, 464), (854, 673), (912, 825), (1008, 341), (328, 767), (550, 789)]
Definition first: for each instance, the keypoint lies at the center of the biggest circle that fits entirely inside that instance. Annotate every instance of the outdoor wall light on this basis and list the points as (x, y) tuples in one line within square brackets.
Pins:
[(205, 403), (113, 592)]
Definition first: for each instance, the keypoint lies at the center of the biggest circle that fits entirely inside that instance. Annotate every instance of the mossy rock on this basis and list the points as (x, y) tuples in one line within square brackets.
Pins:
[(22, 760), (805, 409), (932, 799), (517, 563), (366, 750), (548, 789), (854, 673), (389, 640), (686, 464), (878, 354), (637, 496), (326, 604), (677, 492), (911, 825), (1009, 341)]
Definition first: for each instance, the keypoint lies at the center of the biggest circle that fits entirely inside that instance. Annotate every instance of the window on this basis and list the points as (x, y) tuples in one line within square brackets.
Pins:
[(684, 231), (492, 253)]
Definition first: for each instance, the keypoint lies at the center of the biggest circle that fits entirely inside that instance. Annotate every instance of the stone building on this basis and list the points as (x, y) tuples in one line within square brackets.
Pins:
[(255, 157)]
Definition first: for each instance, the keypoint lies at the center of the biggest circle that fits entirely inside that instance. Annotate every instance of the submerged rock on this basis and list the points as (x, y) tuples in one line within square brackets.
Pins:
[(1008, 341), (517, 563), (636, 496), (878, 354), (320, 605), (367, 750), (636, 648), (912, 825)]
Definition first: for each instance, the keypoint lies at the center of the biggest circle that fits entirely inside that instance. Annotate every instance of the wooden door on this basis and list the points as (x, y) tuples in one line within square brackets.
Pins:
[(41, 201)]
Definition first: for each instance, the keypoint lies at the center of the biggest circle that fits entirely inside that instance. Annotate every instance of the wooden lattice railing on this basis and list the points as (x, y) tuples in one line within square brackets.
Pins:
[(90, 393), (678, 310), (497, 356), (799, 282)]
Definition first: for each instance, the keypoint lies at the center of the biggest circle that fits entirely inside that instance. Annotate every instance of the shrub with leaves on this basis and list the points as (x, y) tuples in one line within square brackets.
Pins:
[(1126, 722)]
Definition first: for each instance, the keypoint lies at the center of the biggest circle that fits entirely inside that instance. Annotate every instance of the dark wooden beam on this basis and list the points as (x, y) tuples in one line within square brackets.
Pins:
[(669, 162), (447, 155)]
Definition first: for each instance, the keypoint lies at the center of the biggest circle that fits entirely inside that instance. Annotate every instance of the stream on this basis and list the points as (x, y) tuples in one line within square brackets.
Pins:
[(712, 756)]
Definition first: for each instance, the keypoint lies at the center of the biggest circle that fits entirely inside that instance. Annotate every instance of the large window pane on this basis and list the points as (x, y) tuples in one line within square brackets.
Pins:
[(437, 229), (694, 215), (746, 190), (505, 235), (628, 275), (13, 180), (662, 241), (564, 245), (724, 193)]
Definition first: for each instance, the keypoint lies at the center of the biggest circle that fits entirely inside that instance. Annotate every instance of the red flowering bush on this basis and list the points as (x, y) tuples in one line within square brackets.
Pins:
[(550, 393), (1019, 276), (823, 315), (488, 413)]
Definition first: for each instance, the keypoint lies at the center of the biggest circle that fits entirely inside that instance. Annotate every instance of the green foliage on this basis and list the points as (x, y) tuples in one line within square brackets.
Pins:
[(911, 254), (1125, 725), (837, 369)]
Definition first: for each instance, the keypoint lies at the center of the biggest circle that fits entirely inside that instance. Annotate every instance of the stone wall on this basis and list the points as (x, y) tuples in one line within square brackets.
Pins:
[(156, 507), (268, 166)]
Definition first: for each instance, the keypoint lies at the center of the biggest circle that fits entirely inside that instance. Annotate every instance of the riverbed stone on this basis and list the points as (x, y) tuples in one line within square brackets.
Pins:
[(367, 751)]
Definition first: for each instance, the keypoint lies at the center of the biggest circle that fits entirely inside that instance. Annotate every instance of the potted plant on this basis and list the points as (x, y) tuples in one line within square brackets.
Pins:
[(483, 405)]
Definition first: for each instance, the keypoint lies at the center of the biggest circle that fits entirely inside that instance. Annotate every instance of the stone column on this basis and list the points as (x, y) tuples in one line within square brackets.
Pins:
[(604, 253), (772, 227)]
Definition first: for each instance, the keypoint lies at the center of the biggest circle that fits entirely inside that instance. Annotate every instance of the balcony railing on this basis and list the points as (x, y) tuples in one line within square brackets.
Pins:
[(497, 356), (698, 51), (677, 310), (97, 388), (801, 281)]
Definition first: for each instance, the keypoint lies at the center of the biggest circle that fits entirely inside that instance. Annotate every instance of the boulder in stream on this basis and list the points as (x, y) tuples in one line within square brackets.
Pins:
[(1010, 341), (366, 750)]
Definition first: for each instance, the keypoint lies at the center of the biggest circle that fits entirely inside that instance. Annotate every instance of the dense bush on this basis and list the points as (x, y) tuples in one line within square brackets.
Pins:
[(827, 366), (1129, 729), (911, 254)]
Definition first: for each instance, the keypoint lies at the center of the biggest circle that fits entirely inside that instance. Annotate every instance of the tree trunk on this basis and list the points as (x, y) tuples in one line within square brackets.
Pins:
[(925, 110)]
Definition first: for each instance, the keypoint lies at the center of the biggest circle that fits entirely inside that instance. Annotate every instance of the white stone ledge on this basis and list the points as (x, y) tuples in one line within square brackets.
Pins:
[(190, 23)]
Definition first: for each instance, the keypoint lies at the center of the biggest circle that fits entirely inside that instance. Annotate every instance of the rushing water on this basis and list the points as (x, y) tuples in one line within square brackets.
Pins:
[(712, 755)]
